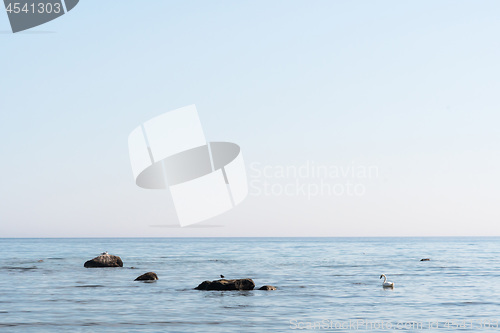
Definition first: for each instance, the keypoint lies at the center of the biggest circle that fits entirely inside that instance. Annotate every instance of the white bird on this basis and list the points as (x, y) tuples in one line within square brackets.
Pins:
[(386, 284)]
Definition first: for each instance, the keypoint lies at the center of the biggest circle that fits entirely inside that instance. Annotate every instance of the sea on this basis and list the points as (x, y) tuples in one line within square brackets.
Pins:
[(323, 284)]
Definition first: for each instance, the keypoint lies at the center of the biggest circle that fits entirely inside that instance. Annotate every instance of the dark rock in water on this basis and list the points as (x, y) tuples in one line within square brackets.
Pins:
[(104, 260), (266, 287), (149, 276), (425, 259), (239, 284)]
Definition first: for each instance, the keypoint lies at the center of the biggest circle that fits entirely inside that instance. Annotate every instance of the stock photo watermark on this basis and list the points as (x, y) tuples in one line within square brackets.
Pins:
[(310, 179), (400, 325), (27, 14)]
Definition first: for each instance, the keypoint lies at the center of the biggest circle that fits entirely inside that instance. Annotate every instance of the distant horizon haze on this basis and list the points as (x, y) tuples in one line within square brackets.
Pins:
[(409, 89)]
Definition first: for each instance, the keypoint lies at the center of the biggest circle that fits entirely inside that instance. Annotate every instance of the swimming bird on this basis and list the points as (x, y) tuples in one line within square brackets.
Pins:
[(386, 284), (222, 276)]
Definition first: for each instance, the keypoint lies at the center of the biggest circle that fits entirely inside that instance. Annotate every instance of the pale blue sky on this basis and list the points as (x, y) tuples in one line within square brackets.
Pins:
[(408, 86)]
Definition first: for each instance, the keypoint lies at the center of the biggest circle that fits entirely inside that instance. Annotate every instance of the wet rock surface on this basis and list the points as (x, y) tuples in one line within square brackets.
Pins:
[(223, 284), (104, 260), (267, 287), (149, 276)]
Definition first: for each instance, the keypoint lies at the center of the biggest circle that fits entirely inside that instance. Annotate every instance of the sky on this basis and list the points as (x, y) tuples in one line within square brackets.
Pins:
[(402, 93)]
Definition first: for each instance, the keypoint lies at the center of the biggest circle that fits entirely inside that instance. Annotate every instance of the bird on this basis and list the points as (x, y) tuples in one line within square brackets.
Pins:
[(221, 276), (386, 284), (104, 253)]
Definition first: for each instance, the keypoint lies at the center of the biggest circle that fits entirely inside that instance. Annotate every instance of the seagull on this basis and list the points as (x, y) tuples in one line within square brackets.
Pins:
[(104, 253), (222, 276), (386, 284)]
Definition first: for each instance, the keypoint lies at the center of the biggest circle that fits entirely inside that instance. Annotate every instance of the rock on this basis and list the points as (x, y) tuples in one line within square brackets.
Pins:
[(222, 284), (104, 260), (425, 259), (149, 276), (266, 287)]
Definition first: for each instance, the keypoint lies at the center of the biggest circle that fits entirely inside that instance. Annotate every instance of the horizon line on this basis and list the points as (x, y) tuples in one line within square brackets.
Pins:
[(263, 237)]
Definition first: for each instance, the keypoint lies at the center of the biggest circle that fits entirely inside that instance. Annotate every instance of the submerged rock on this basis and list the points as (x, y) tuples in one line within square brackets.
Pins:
[(104, 260), (149, 276), (267, 287), (222, 284)]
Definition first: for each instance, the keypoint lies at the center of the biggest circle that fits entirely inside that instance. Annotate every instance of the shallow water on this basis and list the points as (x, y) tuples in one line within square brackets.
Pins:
[(326, 282)]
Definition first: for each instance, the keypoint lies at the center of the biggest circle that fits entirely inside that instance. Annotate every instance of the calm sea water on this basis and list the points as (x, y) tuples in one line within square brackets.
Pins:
[(322, 283)]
